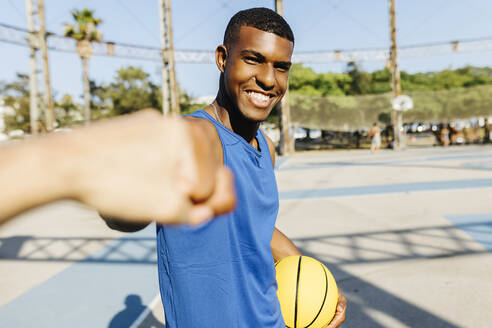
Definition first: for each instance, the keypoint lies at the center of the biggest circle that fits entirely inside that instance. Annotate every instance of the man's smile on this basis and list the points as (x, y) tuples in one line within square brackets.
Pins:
[(259, 99)]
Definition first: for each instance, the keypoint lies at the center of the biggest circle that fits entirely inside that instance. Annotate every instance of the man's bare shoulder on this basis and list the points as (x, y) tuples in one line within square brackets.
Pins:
[(202, 129), (206, 124)]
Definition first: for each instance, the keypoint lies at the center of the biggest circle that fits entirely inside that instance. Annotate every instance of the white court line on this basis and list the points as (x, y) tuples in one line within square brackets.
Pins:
[(145, 312)]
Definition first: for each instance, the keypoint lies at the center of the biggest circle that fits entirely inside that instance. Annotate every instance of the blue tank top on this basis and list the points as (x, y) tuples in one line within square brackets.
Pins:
[(221, 273)]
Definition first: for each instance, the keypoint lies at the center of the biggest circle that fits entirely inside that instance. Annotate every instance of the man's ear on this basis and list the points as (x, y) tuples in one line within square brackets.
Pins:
[(221, 57)]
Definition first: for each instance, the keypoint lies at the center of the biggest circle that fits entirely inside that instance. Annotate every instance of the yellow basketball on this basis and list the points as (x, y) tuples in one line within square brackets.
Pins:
[(307, 292)]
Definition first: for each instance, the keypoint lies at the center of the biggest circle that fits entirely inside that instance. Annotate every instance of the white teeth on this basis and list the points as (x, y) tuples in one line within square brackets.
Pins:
[(259, 96)]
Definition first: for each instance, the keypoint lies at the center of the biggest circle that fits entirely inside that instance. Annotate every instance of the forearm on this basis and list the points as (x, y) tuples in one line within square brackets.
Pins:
[(282, 246), (33, 173)]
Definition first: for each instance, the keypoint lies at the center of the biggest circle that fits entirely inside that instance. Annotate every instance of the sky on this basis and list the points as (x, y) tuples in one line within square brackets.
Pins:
[(200, 24)]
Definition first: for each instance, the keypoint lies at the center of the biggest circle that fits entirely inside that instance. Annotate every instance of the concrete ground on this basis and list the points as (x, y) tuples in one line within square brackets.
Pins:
[(407, 235)]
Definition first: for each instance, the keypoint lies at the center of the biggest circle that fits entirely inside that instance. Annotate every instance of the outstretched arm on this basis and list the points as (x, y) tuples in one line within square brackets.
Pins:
[(135, 167)]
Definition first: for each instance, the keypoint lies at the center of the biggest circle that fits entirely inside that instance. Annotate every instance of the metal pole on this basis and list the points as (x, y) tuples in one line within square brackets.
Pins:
[(395, 77), (173, 85), (33, 85), (166, 95), (87, 97), (50, 117), (286, 143), (279, 7)]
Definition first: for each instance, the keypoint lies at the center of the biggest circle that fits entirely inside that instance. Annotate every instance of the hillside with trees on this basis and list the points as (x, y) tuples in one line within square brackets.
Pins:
[(354, 99)]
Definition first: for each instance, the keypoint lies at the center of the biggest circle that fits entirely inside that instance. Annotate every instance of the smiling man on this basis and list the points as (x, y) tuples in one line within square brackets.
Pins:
[(222, 273)]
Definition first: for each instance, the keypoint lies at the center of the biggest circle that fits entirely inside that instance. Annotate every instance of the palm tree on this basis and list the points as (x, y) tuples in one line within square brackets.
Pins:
[(84, 32)]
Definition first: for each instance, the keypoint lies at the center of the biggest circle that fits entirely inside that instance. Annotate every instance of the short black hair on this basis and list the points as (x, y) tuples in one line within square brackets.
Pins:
[(263, 19)]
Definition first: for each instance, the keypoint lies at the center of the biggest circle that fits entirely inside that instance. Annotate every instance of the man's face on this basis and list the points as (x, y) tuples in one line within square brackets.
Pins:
[(257, 71)]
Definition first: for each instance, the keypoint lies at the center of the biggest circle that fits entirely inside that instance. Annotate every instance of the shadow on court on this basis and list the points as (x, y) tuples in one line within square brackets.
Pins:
[(133, 308), (366, 300), (401, 244), (364, 297), (126, 250), (364, 247)]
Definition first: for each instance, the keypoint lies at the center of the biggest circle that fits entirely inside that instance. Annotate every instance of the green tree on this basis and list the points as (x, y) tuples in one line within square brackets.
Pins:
[(15, 96), (84, 32), (381, 81), (360, 81), (101, 104), (130, 91), (384, 118), (465, 77), (186, 104), (303, 80), (67, 112), (478, 75)]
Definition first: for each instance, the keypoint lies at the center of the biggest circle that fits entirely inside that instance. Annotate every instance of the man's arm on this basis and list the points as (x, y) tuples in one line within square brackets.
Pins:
[(31, 174), (282, 247), (135, 167)]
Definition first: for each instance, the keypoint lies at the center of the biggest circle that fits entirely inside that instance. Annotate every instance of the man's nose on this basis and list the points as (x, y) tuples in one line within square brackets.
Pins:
[(266, 77)]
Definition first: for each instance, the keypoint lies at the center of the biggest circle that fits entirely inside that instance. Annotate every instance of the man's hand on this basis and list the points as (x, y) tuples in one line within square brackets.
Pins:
[(339, 317), (139, 167), (144, 166)]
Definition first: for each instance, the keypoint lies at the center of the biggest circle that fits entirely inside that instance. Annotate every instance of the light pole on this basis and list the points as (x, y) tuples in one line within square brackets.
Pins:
[(48, 98), (286, 144), (170, 101), (33, 82), (395, 78)]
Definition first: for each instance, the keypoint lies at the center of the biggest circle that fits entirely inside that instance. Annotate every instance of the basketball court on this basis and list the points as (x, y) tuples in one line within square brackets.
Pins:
[(408, 237)]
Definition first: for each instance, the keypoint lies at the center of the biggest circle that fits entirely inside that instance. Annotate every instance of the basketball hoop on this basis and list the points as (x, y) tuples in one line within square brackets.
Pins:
[(402, 103)]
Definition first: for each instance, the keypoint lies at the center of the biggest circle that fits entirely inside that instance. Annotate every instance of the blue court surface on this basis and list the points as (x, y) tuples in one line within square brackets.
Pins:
[(390, 226)]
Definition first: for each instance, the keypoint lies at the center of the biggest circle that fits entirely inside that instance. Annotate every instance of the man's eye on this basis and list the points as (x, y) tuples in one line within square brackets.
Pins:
[(251, 60), (282, 68)]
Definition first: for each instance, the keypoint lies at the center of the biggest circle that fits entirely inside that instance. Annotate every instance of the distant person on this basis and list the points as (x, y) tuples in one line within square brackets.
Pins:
[(445, 136), (453, 133), (388, 133), (136, 167), (375, 135), (357, 136), (486, 127)]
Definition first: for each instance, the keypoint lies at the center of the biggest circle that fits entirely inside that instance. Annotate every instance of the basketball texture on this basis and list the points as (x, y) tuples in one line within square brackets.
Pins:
[(307, 292)]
